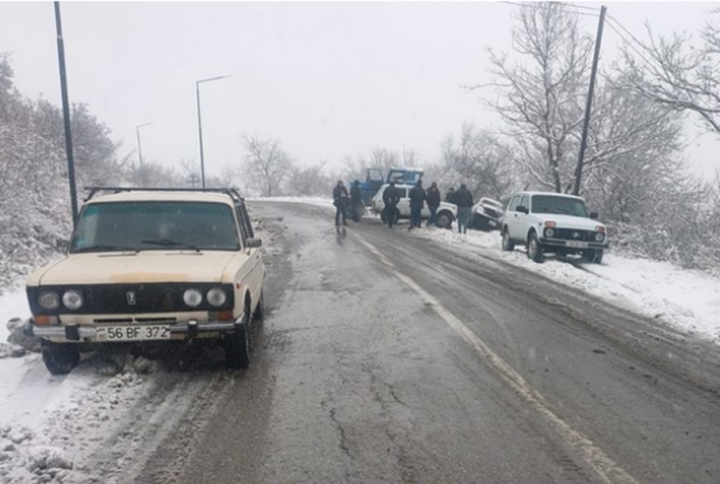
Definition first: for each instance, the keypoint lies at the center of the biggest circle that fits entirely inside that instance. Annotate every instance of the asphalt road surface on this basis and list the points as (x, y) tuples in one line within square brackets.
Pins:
[(386, 358)]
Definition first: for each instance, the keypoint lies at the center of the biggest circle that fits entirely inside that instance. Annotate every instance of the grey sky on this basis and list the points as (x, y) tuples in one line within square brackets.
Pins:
[(328, 79)]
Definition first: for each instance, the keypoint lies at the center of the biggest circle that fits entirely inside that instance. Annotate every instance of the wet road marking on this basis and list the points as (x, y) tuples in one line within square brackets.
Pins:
[(607, 469)]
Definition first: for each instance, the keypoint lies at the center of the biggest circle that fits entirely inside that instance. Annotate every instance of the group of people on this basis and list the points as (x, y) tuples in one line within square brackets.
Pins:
[(418, 196)]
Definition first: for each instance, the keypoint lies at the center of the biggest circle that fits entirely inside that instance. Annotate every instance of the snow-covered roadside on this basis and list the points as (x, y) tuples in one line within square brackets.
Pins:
[(317, 201), (686, 299), (48, 424)]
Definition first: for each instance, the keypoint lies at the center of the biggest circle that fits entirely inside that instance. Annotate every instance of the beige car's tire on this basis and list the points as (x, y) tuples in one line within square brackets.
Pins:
[(60, 358), (237, 345)]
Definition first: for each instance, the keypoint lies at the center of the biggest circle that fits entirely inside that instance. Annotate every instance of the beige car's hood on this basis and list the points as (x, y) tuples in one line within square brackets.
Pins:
[(143, 267)]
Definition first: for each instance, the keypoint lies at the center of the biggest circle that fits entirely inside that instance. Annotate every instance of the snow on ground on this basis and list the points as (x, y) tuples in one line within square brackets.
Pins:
[(317, 201), (48, 424), (686, 299)]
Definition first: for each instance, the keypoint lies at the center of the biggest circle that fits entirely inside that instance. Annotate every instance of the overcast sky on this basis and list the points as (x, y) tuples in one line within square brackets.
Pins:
[(327, 79)]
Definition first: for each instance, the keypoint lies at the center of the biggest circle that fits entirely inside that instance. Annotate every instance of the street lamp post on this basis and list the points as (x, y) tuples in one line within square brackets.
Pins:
[(137, 132), (197, 94)]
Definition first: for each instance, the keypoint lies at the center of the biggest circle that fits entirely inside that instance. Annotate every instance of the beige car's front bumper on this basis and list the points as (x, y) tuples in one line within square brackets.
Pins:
[(74, 333)]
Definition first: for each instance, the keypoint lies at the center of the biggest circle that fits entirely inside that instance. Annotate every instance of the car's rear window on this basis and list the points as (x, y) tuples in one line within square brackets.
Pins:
[(154, 225)]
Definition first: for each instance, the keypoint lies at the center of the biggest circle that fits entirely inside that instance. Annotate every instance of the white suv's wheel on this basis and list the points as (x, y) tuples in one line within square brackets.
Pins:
[(534, 249), (507, 243)]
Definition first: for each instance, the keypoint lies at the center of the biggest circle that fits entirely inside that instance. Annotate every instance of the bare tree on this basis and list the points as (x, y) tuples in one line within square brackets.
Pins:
[(479, 160), (356, 167), (671, 71), (313, 180), (266, 166), (542, 99)]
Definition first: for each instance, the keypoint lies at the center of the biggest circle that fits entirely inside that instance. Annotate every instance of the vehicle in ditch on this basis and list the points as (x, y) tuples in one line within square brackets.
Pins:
[(553, 223), (487, 215), (151, 266)]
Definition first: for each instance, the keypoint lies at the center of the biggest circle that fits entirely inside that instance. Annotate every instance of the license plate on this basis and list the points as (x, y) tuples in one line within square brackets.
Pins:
[(133, 333), (576, 245)]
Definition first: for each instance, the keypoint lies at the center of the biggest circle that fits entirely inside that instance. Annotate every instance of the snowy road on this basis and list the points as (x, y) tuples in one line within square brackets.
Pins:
[(389, 358), (386, 359)]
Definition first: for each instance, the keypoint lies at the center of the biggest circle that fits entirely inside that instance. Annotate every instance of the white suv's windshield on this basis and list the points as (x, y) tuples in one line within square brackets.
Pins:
[(558, 205), (155, 225)]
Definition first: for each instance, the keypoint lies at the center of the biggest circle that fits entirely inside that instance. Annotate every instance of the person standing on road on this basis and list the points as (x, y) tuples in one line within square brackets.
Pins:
[(417, 200), (450, 197), (433, 202), (391, 197), (340, 199), (464, 202), (355, 200)]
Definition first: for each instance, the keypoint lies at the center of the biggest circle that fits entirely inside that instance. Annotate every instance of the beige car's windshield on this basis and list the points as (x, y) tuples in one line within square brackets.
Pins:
[(135, 226)]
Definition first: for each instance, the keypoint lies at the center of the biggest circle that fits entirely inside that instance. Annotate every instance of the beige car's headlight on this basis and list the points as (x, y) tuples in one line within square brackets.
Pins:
[(49, 300), (216, 296), (192, 297), (72, 299)]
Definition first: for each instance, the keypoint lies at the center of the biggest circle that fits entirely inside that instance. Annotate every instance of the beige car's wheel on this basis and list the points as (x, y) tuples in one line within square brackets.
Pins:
[(59, 358), (237, 345)]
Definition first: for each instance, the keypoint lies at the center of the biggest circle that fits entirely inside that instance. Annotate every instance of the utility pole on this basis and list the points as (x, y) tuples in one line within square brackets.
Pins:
[(66, 115), (588, 105)]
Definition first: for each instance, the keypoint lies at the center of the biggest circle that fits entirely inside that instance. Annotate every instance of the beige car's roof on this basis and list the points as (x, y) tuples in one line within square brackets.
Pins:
[(142, 196)]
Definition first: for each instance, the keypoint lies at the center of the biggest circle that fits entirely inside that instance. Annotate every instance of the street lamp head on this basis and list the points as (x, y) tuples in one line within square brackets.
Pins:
[(142, 125), (212, 79)]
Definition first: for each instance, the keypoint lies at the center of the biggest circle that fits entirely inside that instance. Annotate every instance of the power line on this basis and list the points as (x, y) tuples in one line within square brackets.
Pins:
[(627, 42), (627, 32), (594, 9), (555, 5)]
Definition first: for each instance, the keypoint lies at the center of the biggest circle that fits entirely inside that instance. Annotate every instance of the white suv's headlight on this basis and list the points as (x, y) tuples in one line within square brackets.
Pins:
[(49, 300), (192, 297), (72, 299), (599, 236), (549, 232), (216, 296)]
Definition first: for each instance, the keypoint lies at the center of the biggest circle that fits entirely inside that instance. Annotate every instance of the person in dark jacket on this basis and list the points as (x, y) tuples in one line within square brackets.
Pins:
[(464, 202), (356, 200), (340, 200), (450, 197), (417, 200), (391, 197), (433, 202)]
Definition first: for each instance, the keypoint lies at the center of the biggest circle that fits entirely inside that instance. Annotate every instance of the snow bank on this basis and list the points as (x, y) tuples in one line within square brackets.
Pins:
[(686, 299), (317, 201)]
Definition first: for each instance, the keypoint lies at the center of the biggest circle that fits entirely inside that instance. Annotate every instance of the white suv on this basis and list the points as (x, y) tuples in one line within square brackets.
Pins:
[(553, 223), (446, 212)]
